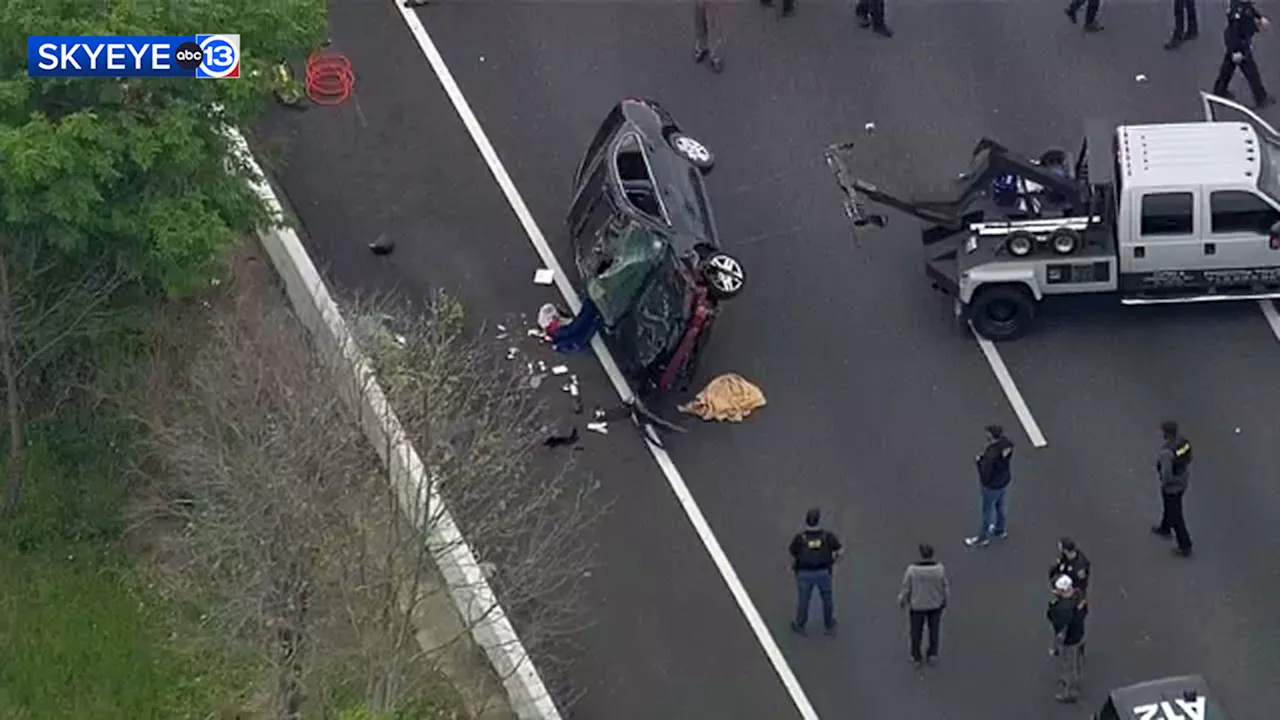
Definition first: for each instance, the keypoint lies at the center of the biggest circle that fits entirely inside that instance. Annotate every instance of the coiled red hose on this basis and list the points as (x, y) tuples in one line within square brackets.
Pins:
[(329, 78)]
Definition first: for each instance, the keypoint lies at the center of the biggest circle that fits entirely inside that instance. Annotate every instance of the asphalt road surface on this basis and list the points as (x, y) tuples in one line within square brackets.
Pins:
[(876, 400)]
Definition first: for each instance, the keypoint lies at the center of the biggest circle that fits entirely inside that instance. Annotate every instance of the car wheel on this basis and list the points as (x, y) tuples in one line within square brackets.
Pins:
[(1020, 243), (695, 152), (1064, 241), (1002, 312), (724, 275)]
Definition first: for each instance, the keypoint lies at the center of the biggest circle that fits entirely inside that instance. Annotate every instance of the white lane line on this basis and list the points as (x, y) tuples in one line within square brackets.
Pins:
[(660, 456), (1272, 316), (1010, 390)]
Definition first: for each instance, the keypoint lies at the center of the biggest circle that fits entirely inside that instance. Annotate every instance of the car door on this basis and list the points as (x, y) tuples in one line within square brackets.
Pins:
[(1238, 229), (1220, 109)]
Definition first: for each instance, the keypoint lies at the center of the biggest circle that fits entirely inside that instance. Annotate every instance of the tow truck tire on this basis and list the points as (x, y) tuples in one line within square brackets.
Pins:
[(1002, 312), (695, 152), (1020, 243), (1064, 241)]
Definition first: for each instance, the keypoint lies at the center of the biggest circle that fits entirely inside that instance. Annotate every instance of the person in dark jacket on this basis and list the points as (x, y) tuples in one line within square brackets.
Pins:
[(1173, 467), (871, 15), (1072, 563), (1243, 22), (1185, 24), (708, 35), (1090, 14), (814, 552), (924, 594), (1067, 620), (994, 476)]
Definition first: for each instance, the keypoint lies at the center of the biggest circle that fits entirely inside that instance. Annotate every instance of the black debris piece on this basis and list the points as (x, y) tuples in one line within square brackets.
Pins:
[(383, 245), (559, 434)]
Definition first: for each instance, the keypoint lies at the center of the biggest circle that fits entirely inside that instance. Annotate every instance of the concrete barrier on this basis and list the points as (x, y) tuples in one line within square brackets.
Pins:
[(470, 592)]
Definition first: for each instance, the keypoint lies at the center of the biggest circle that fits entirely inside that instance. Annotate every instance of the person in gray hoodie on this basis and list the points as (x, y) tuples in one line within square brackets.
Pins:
[(1173, 466), (924, 594)]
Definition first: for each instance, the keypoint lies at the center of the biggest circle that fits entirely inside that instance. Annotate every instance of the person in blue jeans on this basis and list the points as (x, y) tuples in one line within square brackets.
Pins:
[(994, 476), (814, 552)]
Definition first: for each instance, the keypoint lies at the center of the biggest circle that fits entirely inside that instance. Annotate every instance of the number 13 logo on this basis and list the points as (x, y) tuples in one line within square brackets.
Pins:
[(221, 56)]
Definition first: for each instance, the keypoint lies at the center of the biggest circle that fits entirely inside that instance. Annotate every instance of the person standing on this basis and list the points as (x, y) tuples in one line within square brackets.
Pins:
[(1067, 620), (871, 15), (1185, 25), (1072, 563), (994, 476), (708, 35), (788, 7), (1090, 14), (1173, 466), (1243, 22), (814, 552), (924, 594)]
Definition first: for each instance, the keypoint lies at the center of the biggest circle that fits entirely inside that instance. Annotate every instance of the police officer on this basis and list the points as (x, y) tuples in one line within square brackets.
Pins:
[(1072, 563), (1243, 22), (814, 552), (871, 15), (1090, 14), (707, 35), (1185, 25), (1173, 467)]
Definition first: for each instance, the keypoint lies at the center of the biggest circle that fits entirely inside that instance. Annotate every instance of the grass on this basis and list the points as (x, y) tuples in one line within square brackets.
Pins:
[(81, 635)]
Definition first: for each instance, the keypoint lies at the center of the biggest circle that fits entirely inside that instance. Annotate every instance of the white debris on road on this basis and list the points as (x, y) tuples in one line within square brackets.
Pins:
[(544, 276)]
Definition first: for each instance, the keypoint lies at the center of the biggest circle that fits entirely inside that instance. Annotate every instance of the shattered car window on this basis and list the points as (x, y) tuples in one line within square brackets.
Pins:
[(660, 316), (633, 252)]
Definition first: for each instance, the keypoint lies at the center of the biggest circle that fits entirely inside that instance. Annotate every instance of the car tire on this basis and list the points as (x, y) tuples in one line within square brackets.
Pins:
[(1020, 243), (1064, 241), (1002, 312), (693, 151), (723, 274)]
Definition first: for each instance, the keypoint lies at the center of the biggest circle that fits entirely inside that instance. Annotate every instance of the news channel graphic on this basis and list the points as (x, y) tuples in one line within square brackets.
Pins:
[(133, 56)]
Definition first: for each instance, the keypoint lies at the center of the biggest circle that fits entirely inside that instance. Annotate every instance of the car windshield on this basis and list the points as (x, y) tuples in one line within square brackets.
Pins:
[(660, 314), (633, 253)]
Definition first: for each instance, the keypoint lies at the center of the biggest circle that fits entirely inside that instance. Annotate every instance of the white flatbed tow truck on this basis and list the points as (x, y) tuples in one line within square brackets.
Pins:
[(1163, 213)]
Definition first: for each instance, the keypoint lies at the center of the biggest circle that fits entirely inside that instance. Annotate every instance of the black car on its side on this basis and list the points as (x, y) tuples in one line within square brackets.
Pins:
[(645, 244), (1186, 697)]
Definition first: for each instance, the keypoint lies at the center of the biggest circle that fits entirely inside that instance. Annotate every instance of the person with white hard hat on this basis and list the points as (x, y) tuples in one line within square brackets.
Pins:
[(1067, 618)]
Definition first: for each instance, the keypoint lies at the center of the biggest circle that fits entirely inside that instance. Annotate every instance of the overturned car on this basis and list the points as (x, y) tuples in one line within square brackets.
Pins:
[(645, 245)]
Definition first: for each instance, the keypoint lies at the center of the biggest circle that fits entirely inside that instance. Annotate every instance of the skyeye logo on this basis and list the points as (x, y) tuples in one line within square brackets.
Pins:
[(1179, 709)]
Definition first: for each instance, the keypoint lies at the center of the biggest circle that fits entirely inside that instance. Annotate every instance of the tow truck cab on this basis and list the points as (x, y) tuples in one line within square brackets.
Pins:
[(1163, 213)]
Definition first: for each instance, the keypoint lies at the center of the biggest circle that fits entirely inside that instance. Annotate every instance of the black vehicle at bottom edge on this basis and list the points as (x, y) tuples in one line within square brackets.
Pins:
[(1185, 697), (645, 245)]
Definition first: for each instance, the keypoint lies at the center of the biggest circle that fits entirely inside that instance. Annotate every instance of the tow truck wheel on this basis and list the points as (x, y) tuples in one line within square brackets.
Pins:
[(1020, 243), (1064, 241), (1002, 312), (695, 152), (724, 275)]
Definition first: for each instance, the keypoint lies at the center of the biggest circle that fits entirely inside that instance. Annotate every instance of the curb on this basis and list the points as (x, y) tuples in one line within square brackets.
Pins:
[(470, 592)]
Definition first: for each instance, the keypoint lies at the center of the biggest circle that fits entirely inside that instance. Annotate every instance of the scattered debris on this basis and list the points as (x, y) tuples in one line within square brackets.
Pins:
[(382, 245), (502, 333), (1140, 78), (598, 414), (600, 427), (544, 276), (542, 367), (535, 381), (560, 370), (512, 353), (401, 340), (869, 127), (535, 332), (1237, 431), (559, 434), (728, 398)]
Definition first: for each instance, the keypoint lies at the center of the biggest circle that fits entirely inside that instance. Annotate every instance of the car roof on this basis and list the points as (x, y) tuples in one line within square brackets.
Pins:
[(1188, 154), (680, 184), (1166, 689)]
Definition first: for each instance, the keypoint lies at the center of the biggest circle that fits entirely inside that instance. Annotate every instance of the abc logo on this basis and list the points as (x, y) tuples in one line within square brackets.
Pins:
[(188, 56)]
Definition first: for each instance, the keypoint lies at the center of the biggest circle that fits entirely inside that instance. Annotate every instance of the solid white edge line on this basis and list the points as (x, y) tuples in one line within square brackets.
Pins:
[(1010, 388), (1272, 315), (660, 456)]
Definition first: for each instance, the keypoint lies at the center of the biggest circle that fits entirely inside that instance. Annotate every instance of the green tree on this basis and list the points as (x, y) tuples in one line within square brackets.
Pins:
[(111, 188)]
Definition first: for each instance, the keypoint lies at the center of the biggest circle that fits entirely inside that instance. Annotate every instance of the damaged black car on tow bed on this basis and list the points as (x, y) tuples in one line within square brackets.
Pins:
[(645, 245)]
